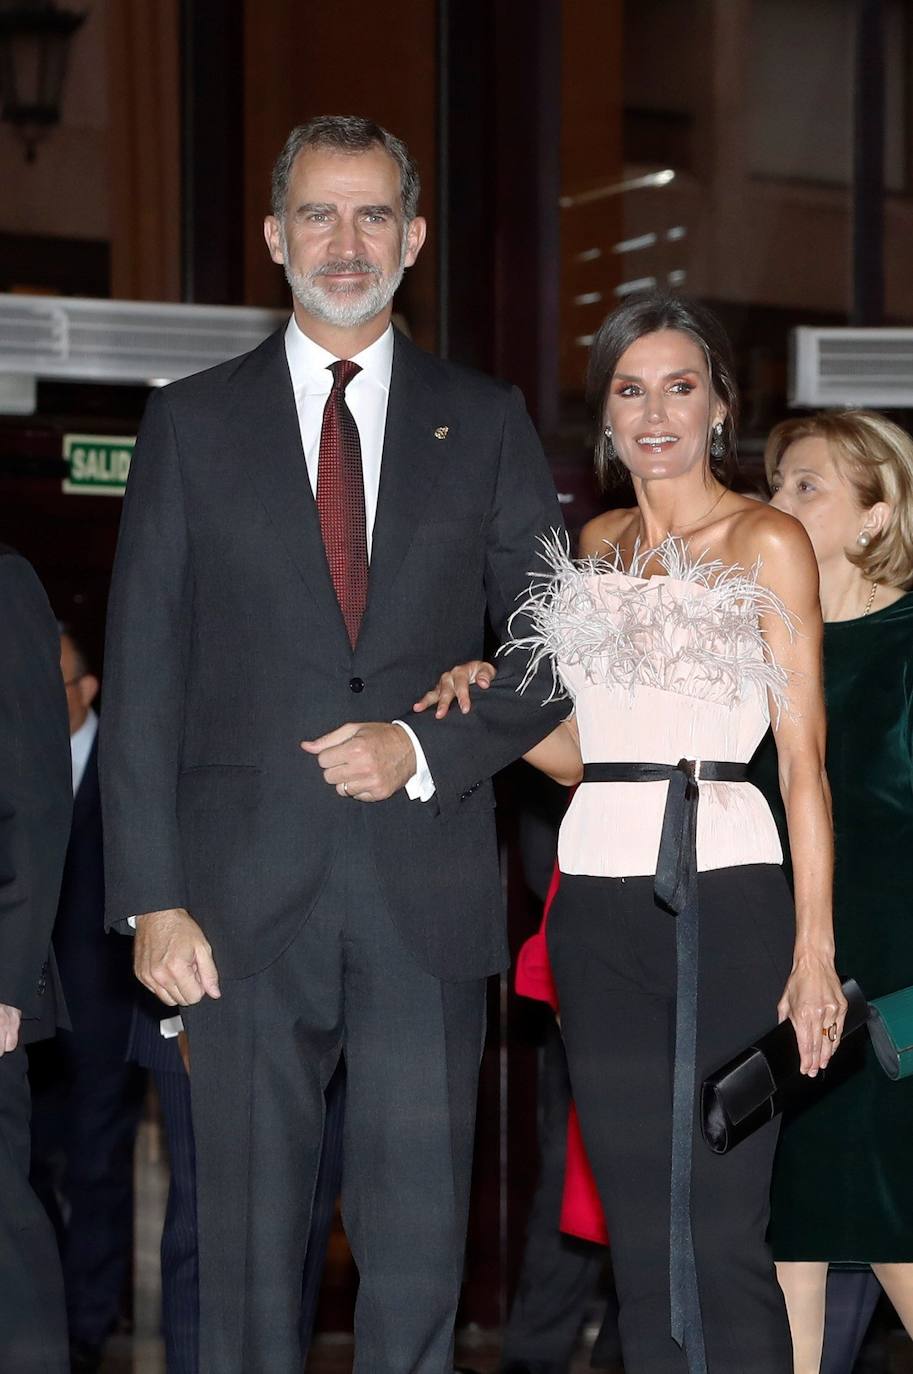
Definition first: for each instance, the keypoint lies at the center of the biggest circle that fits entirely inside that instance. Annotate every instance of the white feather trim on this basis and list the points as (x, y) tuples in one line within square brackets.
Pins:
[(626, 630)]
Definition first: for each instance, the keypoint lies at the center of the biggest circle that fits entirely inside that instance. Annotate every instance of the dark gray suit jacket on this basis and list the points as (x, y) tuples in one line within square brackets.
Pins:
[(226, 647), (36, 796)]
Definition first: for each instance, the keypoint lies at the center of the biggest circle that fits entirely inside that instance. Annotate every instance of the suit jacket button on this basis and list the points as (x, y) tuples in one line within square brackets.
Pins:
[(356, 684)]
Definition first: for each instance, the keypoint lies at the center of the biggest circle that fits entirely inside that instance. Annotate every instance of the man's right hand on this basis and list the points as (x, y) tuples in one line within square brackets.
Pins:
[(173, 958)]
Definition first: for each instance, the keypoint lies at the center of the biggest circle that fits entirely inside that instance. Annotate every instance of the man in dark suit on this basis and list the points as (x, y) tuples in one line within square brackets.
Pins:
[(86, 1099), (311, 533), (35, 804)]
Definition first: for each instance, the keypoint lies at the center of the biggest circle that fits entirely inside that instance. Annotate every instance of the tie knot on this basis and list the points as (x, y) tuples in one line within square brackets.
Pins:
[(343, 371)]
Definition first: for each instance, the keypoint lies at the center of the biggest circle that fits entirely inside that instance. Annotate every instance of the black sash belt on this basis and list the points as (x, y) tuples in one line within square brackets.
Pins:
[(675, 888)]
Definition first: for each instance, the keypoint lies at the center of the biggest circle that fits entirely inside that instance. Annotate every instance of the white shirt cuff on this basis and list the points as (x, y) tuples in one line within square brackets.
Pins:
[(420, 786), (170, 1026), (131, 921)]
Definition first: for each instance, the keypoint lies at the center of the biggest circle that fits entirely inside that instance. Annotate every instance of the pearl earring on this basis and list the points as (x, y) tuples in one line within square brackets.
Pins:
[(863, 539)]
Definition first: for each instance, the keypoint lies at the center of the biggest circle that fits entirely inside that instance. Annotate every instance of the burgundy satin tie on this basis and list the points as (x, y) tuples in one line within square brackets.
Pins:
[(341, 500)]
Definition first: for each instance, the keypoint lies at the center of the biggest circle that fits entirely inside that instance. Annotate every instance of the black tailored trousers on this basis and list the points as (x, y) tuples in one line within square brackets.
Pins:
[(559, 1274), (613, 955), (262, 1056)]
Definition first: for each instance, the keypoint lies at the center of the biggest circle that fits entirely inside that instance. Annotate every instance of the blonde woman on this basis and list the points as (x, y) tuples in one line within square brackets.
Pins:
[(843, 1185)]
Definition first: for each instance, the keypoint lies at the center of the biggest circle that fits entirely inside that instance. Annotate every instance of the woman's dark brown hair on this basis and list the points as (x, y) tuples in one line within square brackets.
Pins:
[(647, 315)]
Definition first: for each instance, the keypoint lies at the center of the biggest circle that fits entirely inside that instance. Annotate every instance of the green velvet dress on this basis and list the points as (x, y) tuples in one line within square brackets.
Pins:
[(843, 1180)]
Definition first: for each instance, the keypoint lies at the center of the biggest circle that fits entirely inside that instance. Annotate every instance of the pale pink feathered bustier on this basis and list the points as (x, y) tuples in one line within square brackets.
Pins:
[(660, 668)]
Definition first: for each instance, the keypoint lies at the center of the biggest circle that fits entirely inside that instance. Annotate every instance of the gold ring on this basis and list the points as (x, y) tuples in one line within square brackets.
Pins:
[(345, 788), (830, 1032)]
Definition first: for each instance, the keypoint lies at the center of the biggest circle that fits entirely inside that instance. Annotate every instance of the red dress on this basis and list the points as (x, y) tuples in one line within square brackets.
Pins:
[(581, 1210)]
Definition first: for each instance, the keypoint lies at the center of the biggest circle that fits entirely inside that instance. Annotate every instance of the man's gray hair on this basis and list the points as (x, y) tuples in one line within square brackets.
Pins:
[(345, 134)]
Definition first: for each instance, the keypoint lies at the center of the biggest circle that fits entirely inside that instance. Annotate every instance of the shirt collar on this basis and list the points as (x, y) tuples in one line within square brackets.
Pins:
[(81, 742), (308, 361)]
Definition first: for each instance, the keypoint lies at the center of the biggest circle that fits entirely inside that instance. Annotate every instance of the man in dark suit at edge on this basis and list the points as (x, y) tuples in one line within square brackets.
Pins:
[(36, 799), (86, 1099), (311, 533)]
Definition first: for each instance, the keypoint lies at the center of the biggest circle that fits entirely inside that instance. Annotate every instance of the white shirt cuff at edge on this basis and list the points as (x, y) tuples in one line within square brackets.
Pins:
[(420, 786)]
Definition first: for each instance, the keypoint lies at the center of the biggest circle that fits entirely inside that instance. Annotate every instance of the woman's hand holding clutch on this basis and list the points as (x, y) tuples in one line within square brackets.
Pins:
[(814, 1002)]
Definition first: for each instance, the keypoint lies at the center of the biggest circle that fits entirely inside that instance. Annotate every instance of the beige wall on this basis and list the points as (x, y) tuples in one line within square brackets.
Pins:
[(110, 169)]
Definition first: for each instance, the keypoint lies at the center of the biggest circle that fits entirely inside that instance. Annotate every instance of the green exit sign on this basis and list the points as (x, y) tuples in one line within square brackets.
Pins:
[(98, 463)]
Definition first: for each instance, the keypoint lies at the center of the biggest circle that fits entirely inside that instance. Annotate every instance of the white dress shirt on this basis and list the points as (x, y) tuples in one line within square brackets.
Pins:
[(81, 747), (366, 397)]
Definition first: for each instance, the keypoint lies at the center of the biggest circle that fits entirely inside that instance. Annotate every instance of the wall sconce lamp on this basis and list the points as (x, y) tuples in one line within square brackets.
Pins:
[(34, 45)]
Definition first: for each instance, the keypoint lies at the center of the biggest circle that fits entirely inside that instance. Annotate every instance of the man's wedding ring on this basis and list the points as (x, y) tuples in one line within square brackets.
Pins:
[(830, 1032), (345, 788)]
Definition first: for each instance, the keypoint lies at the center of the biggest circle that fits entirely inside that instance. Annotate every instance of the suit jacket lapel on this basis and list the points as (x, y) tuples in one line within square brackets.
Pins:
[(264, 422), (410, 467)]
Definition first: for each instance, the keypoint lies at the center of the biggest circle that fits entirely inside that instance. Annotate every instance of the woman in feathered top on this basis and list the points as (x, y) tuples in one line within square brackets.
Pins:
[(698, 626)]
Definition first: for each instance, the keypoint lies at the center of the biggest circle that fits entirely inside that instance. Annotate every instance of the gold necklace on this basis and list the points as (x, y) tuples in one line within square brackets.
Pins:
[(869, 603)]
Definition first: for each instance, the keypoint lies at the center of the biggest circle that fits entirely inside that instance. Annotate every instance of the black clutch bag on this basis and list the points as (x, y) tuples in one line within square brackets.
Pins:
[(748, 1092)]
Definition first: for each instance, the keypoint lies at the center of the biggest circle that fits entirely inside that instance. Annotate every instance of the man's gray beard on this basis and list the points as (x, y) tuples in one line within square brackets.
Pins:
[(345, 309)]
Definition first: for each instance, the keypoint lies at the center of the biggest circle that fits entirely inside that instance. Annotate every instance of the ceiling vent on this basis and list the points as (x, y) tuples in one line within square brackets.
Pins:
[(123, 341), (851, 367)]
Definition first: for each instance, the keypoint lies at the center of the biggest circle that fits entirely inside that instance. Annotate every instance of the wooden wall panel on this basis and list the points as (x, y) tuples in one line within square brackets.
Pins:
[(145, 149), (591, 158)]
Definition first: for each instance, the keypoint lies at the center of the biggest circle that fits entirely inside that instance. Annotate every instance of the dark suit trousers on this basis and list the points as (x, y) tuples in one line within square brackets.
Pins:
[(33, 1328), (263, 1055), (180, 1299), (559, 1274), (86, 1108), (180, 1268), (613, 955)]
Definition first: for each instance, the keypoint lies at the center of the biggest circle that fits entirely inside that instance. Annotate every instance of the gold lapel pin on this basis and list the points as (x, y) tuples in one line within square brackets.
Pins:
[(442, 431)]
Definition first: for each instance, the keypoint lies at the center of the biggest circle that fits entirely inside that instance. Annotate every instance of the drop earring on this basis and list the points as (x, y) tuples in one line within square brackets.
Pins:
[(609, 446), (717, 446)]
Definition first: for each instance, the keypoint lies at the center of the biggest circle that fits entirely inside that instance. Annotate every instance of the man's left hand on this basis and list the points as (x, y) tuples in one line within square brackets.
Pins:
[(368, 762)]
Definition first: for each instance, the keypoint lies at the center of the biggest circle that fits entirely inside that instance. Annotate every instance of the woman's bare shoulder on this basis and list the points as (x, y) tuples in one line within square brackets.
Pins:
[(762, 534), (604, 530)]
